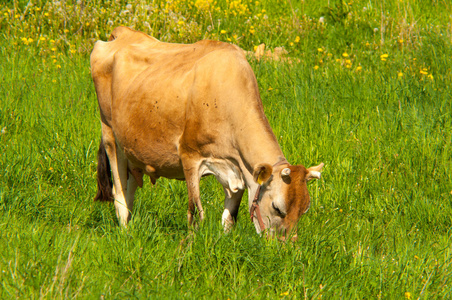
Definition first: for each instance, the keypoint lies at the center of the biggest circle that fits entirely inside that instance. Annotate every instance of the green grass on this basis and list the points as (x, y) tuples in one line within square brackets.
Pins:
[(380, 223)]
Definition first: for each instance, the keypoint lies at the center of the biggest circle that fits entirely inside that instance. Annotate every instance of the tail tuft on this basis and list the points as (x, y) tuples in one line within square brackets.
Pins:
[(104, 183)]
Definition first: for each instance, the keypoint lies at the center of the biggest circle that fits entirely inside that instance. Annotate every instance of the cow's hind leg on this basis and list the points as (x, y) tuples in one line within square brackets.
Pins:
[(231, 207), (123, 188)]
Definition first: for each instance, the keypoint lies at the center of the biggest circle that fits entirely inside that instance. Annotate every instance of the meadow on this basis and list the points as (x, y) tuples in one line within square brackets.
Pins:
[(363, 86)]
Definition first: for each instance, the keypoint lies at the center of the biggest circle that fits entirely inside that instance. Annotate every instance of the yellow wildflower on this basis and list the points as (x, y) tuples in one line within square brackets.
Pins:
[(407, 295), (284, 294), (316, 67), (58, 66), (400, 74), (348, 61), (297, 39), (359, 68), (223, 31), (383, 57), (320, 49), (345, 54), (270, 88), (423, 72), (430, 76)]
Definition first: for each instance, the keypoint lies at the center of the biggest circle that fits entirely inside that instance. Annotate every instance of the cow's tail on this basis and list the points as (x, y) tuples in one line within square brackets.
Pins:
[(104, 183)]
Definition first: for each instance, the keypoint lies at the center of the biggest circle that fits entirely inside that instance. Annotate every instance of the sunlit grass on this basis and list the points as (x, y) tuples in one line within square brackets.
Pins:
[(376, 108)]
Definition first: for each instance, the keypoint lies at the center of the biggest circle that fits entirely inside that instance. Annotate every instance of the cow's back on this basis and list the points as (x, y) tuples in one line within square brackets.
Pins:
[(153, 93)]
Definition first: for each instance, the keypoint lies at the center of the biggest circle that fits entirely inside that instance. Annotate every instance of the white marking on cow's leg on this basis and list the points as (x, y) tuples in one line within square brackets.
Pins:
[(226, 220), (132, 185), (123, 212), (231, 207), (118, 165)]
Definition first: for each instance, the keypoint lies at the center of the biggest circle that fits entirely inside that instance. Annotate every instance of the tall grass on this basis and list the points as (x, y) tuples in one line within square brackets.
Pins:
[(376, 108)]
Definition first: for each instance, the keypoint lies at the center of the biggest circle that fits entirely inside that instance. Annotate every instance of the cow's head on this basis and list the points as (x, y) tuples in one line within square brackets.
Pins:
[(283, 196)]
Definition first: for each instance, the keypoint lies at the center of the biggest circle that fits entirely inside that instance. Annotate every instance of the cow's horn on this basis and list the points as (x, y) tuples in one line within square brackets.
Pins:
[(285, 172)]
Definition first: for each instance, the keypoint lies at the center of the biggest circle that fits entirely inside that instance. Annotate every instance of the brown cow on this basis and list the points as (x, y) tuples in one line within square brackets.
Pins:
[(185, 111)]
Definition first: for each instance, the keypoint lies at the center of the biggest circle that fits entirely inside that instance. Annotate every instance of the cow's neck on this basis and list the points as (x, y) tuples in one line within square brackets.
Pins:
[(257, 142), (257, 145)]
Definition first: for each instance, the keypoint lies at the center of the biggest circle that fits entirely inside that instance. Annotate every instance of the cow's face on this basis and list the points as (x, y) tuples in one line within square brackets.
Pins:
[(283, 196)]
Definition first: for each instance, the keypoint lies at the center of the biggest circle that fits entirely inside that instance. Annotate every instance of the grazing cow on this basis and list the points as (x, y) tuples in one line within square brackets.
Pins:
[(186, 111)]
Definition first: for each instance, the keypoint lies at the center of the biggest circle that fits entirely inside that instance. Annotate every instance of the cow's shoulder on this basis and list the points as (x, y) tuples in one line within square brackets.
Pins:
[(120, 39)]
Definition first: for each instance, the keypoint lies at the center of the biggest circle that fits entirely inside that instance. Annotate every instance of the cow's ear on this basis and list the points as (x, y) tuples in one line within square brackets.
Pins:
[(262, 173), (314, 172)]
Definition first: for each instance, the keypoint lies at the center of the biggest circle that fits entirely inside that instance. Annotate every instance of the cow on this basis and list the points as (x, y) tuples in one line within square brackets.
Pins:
[(184, 111)]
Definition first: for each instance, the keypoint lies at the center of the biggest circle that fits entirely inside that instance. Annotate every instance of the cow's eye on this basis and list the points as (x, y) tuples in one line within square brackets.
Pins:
[(277, 210)]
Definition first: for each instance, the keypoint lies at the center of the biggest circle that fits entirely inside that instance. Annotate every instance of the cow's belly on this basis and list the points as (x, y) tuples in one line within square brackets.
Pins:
[(156, 160), (150, 143)]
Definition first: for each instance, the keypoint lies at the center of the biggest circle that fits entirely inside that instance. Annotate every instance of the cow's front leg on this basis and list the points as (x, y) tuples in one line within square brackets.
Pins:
[(231, 207), (194, 200)]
